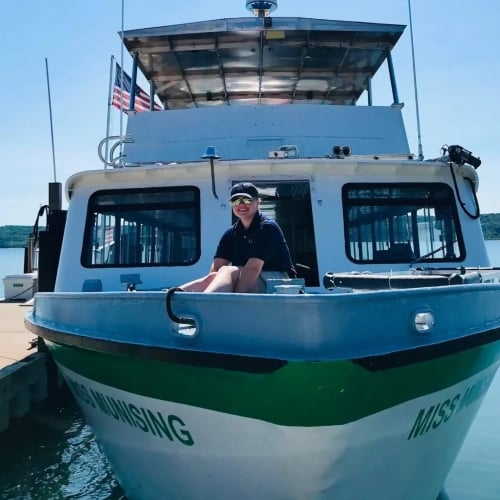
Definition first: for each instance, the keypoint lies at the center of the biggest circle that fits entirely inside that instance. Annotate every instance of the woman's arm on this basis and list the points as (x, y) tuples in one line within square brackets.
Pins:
[(218, 263), (249, 274)]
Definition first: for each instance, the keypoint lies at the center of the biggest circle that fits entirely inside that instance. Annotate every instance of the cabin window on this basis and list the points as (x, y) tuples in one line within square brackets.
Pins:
[(289, 204), (143, 227), (408, 223)]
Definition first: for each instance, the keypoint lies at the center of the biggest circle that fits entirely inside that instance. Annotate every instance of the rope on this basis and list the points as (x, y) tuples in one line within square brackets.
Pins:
[(462, 204), (10, 299)]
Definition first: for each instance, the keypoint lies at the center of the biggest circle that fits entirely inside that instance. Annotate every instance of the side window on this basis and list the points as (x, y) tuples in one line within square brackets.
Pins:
[(289, 204), (401, 223), (142, 227)]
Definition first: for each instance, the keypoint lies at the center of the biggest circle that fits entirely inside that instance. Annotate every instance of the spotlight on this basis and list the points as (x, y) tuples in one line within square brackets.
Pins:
[(460, 155)]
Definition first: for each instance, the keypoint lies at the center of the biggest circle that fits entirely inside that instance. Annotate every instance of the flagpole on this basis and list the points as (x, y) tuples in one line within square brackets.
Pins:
[(110, 102), (121, 82)]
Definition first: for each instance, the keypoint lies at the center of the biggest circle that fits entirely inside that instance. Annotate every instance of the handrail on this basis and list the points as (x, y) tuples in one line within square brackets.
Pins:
[(118, 161), (173, 317)]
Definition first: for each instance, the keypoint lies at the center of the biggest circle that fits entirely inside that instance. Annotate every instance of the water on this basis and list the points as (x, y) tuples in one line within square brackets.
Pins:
[(53, 453)]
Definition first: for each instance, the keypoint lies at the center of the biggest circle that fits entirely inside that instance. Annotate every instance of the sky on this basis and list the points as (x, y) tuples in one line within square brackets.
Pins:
[(456, 44)]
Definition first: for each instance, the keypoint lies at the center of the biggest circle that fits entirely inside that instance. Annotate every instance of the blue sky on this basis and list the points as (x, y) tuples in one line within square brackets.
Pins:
[(456, 49)]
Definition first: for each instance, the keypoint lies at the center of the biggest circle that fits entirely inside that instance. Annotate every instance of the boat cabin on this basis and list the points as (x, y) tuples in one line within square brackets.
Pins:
[(279, 103)]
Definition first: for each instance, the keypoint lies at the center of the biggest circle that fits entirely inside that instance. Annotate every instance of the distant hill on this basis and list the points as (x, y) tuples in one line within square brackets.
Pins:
[(14, 236), (491, 226), (17, 236)]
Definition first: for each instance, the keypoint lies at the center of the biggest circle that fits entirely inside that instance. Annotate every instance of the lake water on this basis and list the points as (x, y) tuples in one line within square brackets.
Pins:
[(52, 453)]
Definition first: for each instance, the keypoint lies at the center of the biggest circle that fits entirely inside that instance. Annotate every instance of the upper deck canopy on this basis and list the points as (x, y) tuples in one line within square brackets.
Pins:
[(239, 61)]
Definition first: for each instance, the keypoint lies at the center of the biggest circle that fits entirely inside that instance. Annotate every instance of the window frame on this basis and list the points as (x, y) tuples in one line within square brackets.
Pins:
[(429, 202), (94, 208)]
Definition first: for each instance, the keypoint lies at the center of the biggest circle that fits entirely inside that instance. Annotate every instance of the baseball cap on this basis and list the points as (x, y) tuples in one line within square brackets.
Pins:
[(244, 190)]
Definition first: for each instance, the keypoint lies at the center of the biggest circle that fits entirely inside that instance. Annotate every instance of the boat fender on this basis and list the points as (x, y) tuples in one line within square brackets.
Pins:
[(173, 317)]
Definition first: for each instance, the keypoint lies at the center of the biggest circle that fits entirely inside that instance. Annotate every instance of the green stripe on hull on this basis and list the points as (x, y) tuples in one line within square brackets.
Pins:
[(298, 394)]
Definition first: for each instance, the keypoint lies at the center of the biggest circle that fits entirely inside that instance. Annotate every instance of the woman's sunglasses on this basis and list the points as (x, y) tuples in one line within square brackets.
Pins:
[(239, 201)]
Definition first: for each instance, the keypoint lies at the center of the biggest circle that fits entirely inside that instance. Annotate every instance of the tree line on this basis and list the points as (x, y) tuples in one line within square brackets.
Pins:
[(17, 236), (491, 226), (14, 236)]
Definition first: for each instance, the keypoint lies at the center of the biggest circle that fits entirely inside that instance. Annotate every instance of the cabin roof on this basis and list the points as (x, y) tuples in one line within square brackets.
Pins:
[(240, 61)]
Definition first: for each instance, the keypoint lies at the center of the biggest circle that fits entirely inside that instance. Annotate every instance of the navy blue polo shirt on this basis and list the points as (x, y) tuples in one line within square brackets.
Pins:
[(263, 240)]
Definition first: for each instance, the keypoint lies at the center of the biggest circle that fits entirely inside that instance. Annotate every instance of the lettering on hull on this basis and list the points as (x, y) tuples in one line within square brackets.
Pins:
[(432, 417), (169, 427)]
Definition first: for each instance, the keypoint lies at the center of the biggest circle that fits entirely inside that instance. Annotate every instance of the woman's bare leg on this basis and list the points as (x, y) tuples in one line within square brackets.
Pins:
[(225, 280), (200, 284)]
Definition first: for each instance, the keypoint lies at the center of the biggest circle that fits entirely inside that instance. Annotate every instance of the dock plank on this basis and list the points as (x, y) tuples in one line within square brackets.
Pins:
[(14, 338)]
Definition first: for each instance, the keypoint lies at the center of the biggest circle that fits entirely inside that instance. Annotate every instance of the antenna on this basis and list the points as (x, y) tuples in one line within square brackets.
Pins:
[(420, 152), (50, 113)]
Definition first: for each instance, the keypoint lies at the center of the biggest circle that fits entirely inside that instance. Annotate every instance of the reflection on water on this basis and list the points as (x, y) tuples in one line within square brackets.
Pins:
[(53, 455)]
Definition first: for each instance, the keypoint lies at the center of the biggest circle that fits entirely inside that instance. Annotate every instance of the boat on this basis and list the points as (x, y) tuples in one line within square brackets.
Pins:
[(359, 378)]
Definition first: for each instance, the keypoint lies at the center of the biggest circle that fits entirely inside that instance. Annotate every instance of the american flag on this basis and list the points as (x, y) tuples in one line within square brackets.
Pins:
[(121, 100)]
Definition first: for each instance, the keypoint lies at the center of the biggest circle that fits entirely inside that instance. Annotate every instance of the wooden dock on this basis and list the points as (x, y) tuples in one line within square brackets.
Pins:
[(23, 370)]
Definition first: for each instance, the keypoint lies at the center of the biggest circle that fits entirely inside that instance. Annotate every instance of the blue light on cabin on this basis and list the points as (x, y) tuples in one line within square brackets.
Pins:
[(211, 153)]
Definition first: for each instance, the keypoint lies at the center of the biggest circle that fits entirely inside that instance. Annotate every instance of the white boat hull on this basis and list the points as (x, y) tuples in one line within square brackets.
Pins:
[(394, 454)]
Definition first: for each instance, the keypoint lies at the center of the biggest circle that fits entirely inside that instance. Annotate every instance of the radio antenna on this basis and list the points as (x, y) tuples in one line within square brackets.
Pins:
[(420, 152), (50, 114)]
